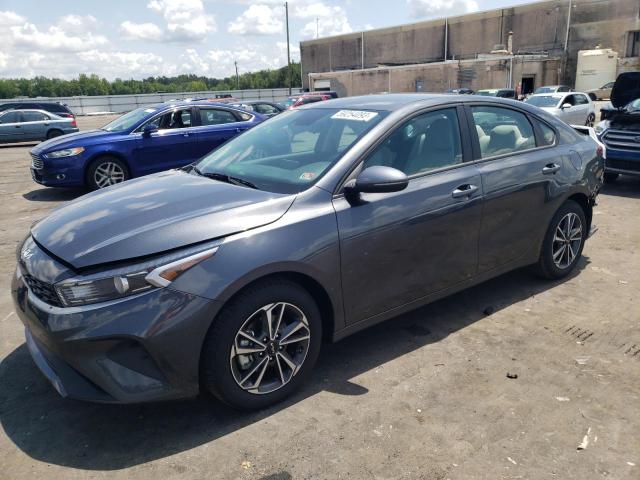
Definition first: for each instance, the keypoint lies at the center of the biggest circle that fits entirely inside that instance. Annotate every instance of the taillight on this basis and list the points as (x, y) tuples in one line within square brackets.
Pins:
[(74, 123), (600, 151)]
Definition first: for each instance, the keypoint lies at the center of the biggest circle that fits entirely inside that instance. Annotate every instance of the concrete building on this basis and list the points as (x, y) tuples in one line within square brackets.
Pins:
[(525, 46)]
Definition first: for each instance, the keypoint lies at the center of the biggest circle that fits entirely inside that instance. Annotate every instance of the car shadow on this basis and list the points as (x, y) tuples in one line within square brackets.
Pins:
[(53, 194), (89, 436), (624, 186)]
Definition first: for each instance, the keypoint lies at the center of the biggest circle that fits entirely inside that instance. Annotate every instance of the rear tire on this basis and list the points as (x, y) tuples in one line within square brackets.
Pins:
[(227, 373), (590, 120), (106, 171), (53, 134), (563, 242), (610, 177)]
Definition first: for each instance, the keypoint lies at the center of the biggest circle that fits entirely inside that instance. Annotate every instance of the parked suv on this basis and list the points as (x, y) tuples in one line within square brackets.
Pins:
[(620, 132), (311, 226), (143, 141), (51, 107)]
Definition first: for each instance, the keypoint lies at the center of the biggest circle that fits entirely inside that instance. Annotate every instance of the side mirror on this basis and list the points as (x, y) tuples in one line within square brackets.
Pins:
[(377, 179), (148, 129), (565, 106)]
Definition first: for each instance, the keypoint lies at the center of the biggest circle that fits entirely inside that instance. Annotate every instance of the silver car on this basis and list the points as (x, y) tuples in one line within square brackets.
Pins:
[(33, 125), (574, 108)]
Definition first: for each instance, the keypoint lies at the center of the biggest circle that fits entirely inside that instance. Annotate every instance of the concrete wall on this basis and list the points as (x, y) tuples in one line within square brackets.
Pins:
[(85, 105), (538, 27), (437, 77)]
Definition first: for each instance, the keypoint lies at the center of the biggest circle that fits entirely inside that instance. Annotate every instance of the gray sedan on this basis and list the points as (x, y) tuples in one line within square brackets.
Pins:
[(33, 125)]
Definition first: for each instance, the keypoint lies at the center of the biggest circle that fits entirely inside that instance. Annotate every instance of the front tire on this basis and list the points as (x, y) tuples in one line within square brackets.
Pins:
[(262, 346), (106, 171), (563, 242)]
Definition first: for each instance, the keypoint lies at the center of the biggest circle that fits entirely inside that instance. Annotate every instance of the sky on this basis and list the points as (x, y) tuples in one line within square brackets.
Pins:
[(140, 38)]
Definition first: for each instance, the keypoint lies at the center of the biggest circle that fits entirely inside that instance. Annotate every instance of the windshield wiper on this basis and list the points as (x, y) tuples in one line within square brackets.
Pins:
[(225, 178)]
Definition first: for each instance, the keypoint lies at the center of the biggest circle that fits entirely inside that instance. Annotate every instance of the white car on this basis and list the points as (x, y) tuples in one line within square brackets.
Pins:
[(571, 107)]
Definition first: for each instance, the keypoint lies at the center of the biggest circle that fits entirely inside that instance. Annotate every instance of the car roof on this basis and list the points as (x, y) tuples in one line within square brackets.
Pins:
[(28, 110), (392, 101), (195, 103)]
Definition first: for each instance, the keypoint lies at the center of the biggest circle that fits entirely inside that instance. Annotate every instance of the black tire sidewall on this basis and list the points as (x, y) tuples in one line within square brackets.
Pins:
[(89, 177), (546, 264), (216, 376), (53, 134)]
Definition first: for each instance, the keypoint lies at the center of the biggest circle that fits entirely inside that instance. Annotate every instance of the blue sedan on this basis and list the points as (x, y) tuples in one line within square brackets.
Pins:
[(143, 141)]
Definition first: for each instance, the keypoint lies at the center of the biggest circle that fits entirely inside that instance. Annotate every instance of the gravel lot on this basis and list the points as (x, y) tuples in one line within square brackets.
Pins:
[(423, 396)]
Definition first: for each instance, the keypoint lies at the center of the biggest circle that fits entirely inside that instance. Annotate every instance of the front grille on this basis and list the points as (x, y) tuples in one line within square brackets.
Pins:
[(629, 165), (44, 291), (36, 162), (622, 140)]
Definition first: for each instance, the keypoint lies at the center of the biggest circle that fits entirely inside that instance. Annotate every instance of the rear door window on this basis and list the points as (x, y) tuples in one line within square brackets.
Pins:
[(34, 117), (216, 116), (502, 131)]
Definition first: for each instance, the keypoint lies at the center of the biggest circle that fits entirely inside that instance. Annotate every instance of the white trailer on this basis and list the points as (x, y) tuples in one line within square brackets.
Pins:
[(595, 68)]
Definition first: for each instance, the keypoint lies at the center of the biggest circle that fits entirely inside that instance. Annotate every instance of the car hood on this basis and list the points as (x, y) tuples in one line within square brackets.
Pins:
[(626, 89), (154, 214), (74, 140)]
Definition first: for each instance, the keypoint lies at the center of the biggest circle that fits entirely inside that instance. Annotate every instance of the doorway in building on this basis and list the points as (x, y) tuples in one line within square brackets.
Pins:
[(527, 86)]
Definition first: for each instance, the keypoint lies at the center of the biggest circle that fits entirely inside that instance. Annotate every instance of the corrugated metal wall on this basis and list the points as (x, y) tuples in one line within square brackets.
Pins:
[(85, 105)]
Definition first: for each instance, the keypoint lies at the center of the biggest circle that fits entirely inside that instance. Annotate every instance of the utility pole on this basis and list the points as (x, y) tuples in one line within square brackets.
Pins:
[(237, 77), (286, 12)]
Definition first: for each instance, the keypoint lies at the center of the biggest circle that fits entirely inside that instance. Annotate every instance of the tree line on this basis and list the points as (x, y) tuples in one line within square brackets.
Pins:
[(95, 85)]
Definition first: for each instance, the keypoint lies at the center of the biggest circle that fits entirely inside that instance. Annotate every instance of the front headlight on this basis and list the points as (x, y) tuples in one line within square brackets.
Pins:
[(67, 152), (601, 127), (123, 282)]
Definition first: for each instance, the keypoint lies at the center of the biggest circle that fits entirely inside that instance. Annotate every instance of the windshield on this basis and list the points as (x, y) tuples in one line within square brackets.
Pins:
[(543, 101), (487, 93), (635, 105), (292, 151), (545, 90), (288, 102), (128, 120)]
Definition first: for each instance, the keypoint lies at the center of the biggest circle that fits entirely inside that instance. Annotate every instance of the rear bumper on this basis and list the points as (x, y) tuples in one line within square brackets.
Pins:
[(143, 348)]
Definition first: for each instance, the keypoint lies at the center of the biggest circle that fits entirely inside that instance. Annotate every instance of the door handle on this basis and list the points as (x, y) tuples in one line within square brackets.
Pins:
[(185, 135), (17, 126), (550, 168), (464, 191)]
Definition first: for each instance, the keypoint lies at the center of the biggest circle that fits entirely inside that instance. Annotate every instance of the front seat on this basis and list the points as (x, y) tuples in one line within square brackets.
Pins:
[(434, 150)]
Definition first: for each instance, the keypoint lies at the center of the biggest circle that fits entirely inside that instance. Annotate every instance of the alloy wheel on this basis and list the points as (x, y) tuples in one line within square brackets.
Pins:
[(108, 173), (567, 240), (270, 348)]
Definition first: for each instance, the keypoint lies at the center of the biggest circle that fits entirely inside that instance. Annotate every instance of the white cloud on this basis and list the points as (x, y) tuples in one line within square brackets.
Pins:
[(326, 20), (55, 38), (78, 24), (257, 20), (4, 59), (144, 31), (441, 8), (8, 19), (186, 20)]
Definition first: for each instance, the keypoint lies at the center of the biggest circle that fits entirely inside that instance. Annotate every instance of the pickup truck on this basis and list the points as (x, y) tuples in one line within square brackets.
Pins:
[(620, 130)]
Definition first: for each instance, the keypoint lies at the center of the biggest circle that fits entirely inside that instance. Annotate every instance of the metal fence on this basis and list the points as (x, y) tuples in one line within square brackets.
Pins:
[(87, 105)]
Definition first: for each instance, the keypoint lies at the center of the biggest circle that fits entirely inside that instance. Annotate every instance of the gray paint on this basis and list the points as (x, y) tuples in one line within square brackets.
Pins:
[(421, 241)]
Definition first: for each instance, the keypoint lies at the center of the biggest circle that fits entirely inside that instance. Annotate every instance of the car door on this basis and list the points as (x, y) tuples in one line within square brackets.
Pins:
[(217, 125), (34, 125), (399, 247), (11, 127), (173, 145), (581, 109), (520, 169)]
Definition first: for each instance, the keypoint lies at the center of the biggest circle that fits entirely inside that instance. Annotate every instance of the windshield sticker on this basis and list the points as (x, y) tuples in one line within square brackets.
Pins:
[(357, 115), (307, 176)]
